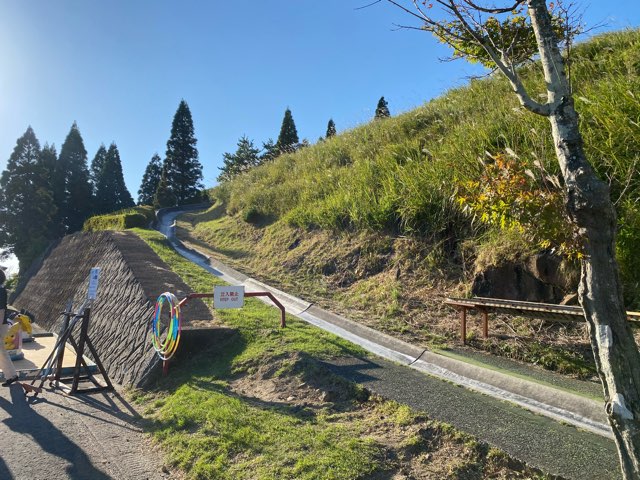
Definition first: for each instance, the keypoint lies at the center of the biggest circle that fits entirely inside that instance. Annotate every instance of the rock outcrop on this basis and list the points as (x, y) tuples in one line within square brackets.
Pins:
[(131, 278), (540, 278)]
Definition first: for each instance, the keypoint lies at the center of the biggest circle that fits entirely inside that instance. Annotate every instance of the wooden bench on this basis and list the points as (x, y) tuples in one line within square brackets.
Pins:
[(542, 311)]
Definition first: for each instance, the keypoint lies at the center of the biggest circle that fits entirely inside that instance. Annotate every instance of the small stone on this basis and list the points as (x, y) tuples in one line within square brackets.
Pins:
[(290, 398)]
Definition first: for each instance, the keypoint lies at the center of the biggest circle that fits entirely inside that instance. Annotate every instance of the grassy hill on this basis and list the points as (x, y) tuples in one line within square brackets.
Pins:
[(403, 175), (258, 404), (384, 220)]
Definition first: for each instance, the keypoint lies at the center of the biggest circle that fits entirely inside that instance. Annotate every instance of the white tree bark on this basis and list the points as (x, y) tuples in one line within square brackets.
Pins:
[(590, 207)]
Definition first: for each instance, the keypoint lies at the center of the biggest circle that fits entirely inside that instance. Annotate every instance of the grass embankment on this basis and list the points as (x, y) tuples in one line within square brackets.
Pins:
[(396, 285), (260, 406), (405, 174), (371, 222)]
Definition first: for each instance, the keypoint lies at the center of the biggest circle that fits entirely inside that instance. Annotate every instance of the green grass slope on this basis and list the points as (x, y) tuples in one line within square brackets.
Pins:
[(136, 217), (402, 175)]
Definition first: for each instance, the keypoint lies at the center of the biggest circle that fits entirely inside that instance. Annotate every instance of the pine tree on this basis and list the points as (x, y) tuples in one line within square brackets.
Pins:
[(111, 191), (270, 151), (72, 185), (49, 162), (183, 171), (382, 110), (244, 158), (164, 196), (97, 165), (49, 159), (150, 181), (288, 138), (26, 202), (331, 128)]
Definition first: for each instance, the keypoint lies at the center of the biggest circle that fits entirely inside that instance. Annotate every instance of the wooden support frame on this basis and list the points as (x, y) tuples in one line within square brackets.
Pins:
[(81, 370), (79, 348), (283, 321), (191, 296), (463, 320)]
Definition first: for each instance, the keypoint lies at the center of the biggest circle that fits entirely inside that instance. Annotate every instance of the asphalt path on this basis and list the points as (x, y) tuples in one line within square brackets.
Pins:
[(553, 447), (85, 437)]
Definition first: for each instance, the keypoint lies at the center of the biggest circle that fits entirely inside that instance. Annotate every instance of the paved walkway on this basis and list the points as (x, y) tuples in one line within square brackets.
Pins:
[(85, 437), (556, 448)]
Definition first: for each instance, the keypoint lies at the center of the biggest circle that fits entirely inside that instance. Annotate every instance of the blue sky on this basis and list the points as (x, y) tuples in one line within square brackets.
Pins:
[(119, 68)]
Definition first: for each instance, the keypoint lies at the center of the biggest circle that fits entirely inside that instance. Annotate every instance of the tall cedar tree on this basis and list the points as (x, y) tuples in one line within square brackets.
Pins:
[(72, 186), (244, 158), (111, 191), (49, 161), (382, 110), (150, 180), (331, 128), (97, 165), (183, 171), (26, 201), (164, 196), (288, 139)]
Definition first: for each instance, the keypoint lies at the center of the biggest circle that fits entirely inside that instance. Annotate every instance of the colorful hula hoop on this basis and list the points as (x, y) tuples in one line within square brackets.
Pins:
[(167, 348)]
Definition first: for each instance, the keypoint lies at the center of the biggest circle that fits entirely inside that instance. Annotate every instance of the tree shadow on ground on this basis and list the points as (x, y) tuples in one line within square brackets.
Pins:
[(24, 419)]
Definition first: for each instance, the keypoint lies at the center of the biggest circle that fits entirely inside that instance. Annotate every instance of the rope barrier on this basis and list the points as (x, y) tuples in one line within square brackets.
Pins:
[(167, 348)]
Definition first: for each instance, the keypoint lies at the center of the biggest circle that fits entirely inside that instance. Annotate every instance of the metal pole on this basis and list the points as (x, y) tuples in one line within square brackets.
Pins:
[(485, 323)]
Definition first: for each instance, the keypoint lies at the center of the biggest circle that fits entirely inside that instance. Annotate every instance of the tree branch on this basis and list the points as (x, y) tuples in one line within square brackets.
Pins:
[(494, 10), (368, 5)]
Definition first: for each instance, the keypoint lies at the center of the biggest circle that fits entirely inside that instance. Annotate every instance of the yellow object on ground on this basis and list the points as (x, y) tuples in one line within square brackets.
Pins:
[(13, 340)]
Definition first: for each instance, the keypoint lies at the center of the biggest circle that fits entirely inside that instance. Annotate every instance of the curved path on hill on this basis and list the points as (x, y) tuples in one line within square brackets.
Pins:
[(545, 420)]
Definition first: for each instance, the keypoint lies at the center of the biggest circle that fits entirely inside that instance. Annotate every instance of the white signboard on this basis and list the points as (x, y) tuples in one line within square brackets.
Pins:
[(228, 297), (94, 276)]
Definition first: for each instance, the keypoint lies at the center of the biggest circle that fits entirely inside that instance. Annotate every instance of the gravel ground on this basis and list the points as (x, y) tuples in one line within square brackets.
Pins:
[(84, 437)]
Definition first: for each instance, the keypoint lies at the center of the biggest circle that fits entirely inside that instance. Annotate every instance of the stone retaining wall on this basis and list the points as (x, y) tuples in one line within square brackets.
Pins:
[(131, 278)]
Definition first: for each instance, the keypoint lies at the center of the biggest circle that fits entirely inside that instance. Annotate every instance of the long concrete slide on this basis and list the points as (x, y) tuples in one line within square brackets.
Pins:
[(538, 396)]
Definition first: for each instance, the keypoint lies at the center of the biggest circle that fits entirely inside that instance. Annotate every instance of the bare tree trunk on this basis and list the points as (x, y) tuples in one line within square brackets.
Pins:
[(589, 205)]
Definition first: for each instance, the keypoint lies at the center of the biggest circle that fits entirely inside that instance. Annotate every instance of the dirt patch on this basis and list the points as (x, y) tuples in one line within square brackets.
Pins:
[(296, 381)]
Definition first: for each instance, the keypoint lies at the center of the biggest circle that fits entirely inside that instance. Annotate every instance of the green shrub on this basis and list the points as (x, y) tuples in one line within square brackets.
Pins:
[(137, 217)]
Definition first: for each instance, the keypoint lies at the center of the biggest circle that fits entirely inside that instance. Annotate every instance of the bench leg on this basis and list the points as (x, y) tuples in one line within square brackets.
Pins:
[(463, 325), (485, 324)]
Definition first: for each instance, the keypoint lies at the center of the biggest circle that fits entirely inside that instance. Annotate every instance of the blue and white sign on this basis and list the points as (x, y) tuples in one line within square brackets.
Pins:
[(94, 277)]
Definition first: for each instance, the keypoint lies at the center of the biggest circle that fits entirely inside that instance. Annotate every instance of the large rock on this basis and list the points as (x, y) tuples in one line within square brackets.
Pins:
[(541, 278), (553, 270)]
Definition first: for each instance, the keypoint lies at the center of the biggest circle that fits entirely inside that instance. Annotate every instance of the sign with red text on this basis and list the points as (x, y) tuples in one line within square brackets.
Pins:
[(228, 297)]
